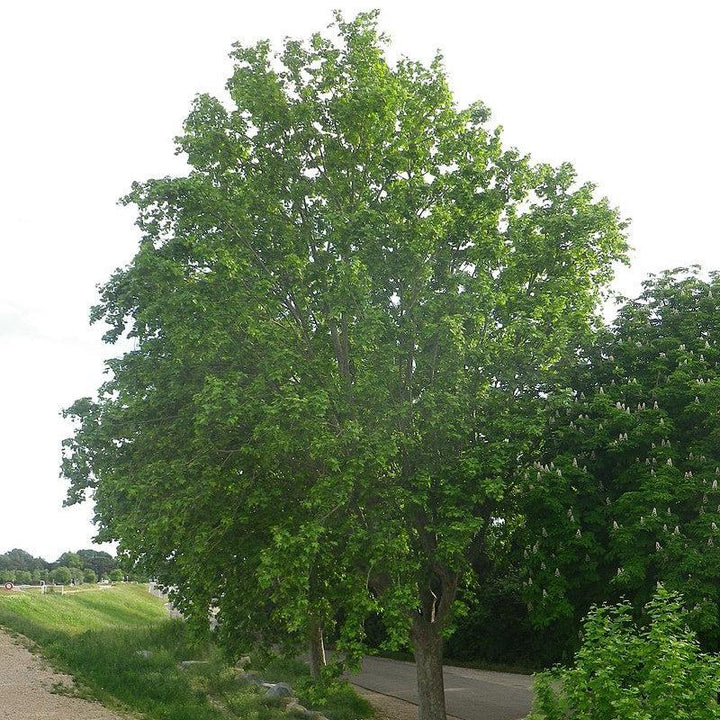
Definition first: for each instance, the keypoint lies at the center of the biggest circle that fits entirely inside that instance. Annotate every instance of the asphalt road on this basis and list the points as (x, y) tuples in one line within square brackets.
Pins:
[(469, 694)]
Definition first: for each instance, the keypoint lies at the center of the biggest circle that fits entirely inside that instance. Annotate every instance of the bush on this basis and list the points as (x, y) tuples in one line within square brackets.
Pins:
[(656, 672)]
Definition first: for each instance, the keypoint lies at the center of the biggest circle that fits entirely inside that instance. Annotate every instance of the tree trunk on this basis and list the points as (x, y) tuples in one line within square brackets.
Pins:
[(317, 649), (428, 649)]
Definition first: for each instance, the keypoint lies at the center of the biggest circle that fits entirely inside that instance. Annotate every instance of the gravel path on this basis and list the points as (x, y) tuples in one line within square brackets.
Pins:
[(25, 689)]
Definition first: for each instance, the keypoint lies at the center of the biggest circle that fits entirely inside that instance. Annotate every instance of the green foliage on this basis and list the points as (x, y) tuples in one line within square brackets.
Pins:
[(95, 635), (626, 492), (21, 560), (23, 577), (656, 672), (493, 628), (342, 319), (100, 562), (116, 575), (21, 567), (61, 575), (122, 648), (70, 560), (332, 697)]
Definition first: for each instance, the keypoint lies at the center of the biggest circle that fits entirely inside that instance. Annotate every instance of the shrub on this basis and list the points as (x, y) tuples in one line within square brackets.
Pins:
[(655, 672)]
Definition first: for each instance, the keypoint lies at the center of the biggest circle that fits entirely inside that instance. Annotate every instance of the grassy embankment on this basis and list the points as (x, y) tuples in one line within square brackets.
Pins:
[(96, 635)]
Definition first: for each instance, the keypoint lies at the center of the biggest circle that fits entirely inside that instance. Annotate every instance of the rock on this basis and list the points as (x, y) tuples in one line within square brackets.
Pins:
[(298, 711), (143, 653), (249, 678), (242, 662), (279, 690), (294, 709), (192, 663)]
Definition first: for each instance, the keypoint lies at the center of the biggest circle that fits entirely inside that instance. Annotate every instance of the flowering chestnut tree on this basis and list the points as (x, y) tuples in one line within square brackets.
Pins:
[(626, 494)]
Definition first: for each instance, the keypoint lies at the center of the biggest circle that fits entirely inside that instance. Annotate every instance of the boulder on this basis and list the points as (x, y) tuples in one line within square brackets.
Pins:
[(299, 711), (248, 678), (242, 662), (143, 653), (295, 710), (279, 690)]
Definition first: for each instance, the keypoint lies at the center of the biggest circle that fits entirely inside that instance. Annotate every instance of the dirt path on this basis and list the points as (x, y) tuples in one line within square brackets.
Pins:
[(25, 689)]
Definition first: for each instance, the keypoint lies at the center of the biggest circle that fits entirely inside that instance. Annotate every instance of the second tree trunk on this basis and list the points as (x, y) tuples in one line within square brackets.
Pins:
[(317, 649)]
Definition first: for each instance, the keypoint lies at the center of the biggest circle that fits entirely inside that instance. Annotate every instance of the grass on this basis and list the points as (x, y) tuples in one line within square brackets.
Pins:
[(119, 607), (97, 637), (338, 701)]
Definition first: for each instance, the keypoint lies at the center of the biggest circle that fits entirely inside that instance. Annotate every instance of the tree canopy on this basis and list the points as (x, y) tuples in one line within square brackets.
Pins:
[(18, 559), (342, 318), (626, 493)]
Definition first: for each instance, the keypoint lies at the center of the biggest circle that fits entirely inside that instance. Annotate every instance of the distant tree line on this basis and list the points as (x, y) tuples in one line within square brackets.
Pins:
[(84, 566)]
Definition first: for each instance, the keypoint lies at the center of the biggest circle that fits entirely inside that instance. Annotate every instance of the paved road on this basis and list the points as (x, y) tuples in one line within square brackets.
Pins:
[(469, 694)]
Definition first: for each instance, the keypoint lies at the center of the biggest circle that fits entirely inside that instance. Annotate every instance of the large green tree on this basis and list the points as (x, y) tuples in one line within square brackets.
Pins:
[(626, 494), (342, 318), (70, 559), (100, 562)]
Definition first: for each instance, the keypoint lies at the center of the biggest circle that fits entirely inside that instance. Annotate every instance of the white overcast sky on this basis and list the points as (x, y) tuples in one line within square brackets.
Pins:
[(92, 94)]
